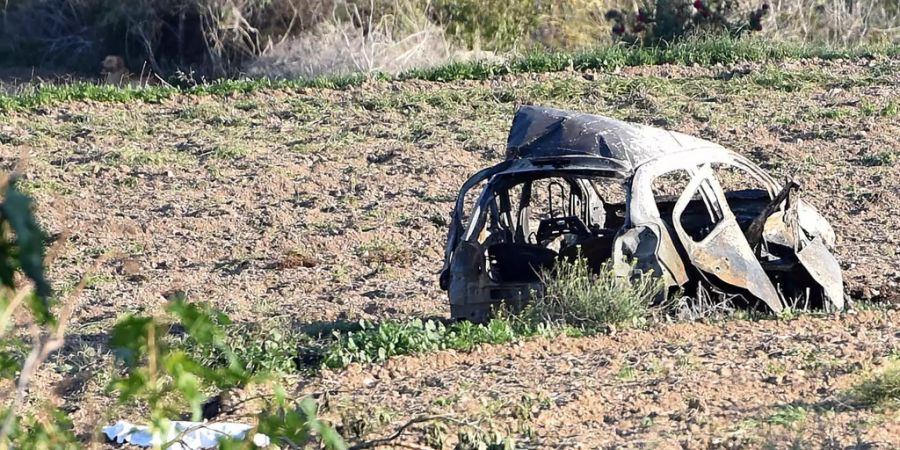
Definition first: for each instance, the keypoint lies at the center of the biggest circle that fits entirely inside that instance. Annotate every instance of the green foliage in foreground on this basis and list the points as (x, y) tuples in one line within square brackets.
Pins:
[(269, 347), (166, 379), (161, 380), (705, 51)]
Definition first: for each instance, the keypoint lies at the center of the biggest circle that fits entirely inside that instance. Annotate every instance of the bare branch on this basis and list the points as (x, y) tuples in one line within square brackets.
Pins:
[(388, 440)]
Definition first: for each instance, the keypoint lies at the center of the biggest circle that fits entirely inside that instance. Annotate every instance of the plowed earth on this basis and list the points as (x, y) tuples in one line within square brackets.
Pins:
[(316, 206)]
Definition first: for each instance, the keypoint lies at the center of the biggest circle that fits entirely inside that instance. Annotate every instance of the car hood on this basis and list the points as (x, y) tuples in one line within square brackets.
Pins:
[(539, 132)]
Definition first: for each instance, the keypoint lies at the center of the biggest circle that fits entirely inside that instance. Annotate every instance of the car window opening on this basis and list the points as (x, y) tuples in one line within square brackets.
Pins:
[(544, 220)]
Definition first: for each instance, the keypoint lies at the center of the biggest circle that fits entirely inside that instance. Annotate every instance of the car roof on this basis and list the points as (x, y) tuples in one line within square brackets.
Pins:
[(539, 132)]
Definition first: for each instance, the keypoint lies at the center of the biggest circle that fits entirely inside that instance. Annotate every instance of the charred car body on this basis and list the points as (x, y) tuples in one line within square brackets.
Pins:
[(580, 185)]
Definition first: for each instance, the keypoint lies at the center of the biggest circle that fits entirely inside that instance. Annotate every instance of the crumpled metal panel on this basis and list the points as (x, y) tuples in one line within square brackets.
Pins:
[(724, 252), (824, 268), (539, 132)]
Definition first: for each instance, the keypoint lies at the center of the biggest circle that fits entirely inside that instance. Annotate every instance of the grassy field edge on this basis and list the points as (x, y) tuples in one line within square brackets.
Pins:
[(708, 51)]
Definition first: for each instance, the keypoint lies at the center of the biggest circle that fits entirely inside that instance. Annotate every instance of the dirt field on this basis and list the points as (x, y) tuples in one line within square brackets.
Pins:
[(322, 206)]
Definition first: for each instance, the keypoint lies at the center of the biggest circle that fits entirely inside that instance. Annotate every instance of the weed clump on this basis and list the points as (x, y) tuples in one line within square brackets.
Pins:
[(882, 388), (577, 296), (376, 343), (667, 20)]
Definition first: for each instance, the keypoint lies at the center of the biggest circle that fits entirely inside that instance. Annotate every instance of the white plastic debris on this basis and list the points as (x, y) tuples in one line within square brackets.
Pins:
[(182, 435)]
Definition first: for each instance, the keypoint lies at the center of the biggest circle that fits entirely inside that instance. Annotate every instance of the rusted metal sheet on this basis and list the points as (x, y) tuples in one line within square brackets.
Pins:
[(825, 270)]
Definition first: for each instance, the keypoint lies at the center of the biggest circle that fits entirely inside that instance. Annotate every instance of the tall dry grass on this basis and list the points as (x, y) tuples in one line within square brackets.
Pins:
[(389, 43), (844, 22), (217, 38)]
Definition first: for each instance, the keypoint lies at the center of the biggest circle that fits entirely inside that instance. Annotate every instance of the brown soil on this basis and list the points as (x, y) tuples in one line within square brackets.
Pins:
[(318, 206), (728, 385)]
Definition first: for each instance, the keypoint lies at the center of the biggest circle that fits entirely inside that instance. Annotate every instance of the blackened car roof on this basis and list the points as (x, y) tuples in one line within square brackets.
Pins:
[(539, 132)]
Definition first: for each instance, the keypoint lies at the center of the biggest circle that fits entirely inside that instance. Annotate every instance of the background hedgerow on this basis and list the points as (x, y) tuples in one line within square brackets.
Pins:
[(204, 39), (705, 51)]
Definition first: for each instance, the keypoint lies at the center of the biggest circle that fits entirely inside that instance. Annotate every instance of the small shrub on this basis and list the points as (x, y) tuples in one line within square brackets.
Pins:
[(376, 343), (882, 158), (659, 21), (788, 415), (262, 348), (575, 295), (881, 388)]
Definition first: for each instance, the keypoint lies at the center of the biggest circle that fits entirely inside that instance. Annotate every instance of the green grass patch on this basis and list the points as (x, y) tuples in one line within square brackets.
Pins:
[(882, 158), (788, 415), (706, 51), (266, 347), (576, 301), (376, 343), (132, 155), (278, 347), (881, 388), (576, 296), (776, 79)]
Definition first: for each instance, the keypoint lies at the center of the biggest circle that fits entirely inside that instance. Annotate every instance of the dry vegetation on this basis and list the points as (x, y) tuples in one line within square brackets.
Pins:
[(201, 39), (298, 211)]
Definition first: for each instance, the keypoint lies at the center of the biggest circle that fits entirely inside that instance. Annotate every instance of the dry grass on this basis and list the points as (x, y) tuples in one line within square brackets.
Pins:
[(392, 44), (880, 388), (834, 21), (576, 296), (311, 37)]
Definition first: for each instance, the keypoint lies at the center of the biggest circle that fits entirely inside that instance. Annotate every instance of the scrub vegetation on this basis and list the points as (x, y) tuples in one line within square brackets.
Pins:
[(265, 248)]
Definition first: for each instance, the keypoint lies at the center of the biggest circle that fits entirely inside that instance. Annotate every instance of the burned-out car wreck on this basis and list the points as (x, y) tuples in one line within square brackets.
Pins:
[(633, 198)]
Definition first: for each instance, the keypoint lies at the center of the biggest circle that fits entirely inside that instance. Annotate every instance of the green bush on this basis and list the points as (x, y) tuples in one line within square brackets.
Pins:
[(577, 296), (270, 347), (665, 21)]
